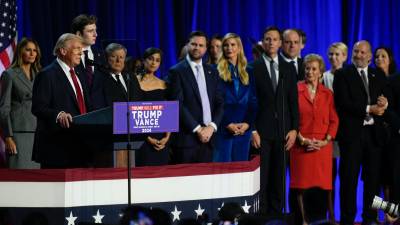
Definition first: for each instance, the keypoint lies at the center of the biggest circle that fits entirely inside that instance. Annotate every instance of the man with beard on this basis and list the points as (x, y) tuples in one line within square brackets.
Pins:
[(360, 103), (196, 85)]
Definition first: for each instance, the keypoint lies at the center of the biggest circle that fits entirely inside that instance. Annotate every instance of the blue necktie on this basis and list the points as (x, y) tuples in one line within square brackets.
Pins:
[(205, 102)]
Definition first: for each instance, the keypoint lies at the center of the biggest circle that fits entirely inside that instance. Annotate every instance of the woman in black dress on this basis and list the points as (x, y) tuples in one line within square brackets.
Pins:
[(154, 151)]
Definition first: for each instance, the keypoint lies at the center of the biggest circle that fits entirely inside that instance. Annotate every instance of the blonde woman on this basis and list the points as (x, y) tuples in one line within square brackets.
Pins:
[(233, 136), (337, 55)]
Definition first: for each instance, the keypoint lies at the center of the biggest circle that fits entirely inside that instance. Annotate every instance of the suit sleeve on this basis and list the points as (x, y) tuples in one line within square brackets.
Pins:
[(176, 93), (293, 101), (343, 99), (333, 117), (252, 103), (391, 115), (5, 104), (42, 98)]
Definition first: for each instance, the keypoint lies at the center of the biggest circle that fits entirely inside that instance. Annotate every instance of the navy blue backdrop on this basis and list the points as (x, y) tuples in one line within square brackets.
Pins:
[(166, 23)]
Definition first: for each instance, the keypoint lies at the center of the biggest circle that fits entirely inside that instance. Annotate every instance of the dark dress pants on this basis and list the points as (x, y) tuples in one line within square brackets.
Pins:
[(361, 151)]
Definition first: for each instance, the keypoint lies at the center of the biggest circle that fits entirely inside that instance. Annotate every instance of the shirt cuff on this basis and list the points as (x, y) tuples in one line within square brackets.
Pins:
[(58, 115), (213, 125), (254, 131), (196, 128), (367, 109)]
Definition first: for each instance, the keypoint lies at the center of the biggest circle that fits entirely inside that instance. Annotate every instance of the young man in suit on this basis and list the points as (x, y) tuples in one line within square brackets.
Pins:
[(59, 93), (291, 47), (276, 121), (197, 87), (92, 59), (360, 103)]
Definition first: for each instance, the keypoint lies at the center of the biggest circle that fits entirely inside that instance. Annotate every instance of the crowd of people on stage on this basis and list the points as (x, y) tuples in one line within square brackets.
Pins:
[(287, 108)]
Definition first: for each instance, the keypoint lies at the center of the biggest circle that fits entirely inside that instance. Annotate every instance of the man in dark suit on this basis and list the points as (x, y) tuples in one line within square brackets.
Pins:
[(197, 87), (291, 47), (92, 59), (393, 118), (277, 119), (116, 81), (360, 103), (59, 93)]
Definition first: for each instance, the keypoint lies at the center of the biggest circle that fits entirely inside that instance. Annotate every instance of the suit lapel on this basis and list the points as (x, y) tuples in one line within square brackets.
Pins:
[(371, 83), (209, 80), (66, 84), (356, 79), (189, 75), (20, 75), (266, 75)]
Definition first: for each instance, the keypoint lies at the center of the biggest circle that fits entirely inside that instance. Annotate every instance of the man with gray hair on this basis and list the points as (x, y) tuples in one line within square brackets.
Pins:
[(360, 103), (59, 93)]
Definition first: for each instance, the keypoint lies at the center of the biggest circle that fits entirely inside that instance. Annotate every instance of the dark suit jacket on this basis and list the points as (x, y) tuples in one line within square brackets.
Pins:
[(274, 107), (52, 93), (393, 115), (114, 93), (183, 87), (300, 71), (100, 69), (351, 101)]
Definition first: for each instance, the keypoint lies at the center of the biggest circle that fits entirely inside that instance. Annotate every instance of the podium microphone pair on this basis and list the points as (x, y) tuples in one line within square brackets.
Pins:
[(389, 208)]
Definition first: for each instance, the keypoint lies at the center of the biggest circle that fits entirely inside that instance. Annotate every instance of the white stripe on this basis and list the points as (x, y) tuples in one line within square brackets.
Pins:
[(10, 52), (1, 68), (113, 192)]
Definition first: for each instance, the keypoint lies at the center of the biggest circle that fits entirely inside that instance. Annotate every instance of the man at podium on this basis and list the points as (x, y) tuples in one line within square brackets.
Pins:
[(59, 93)]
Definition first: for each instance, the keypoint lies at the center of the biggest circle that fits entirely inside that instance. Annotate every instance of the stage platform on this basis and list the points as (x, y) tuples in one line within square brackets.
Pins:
[(72, 196)]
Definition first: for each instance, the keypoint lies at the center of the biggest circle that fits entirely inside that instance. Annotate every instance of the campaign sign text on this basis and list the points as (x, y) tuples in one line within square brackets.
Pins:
[(146, 117)]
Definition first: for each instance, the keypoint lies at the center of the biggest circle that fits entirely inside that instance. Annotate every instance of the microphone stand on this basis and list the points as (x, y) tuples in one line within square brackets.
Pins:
[(284, 168), (282, 145), (128, 145)]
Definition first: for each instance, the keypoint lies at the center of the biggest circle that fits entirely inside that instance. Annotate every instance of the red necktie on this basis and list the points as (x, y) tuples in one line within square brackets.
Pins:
[(79, 95), (88, 68)]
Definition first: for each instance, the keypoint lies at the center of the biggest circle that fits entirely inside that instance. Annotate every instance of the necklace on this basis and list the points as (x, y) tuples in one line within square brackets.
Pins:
[(148, 78), (312, 89)]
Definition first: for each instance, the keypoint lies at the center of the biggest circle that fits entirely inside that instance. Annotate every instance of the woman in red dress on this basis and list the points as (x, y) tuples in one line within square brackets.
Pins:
[(311, 157)]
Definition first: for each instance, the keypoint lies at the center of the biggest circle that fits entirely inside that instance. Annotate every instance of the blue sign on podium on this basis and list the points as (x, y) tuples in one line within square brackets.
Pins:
[(146, 117)]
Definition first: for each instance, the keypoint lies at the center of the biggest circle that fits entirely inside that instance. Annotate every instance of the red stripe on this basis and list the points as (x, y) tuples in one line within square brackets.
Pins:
[(5, 60), (67, 175)]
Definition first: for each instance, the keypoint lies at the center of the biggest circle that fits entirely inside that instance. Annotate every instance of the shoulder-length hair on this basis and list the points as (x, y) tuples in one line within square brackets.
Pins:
[(17, 59), (223, 63), (392, 63)]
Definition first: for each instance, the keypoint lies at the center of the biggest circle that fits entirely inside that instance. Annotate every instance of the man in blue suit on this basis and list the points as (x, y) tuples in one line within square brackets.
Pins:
[(59, 93), (197, 87)]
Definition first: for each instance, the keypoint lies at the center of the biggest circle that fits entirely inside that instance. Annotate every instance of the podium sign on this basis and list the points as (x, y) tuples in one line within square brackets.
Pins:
[(146, 117)]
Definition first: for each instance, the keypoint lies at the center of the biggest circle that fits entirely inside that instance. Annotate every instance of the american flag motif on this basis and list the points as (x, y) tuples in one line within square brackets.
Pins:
[(8, 31)]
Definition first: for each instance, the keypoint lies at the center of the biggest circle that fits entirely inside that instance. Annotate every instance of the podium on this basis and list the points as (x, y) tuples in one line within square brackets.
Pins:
[(97, 130)]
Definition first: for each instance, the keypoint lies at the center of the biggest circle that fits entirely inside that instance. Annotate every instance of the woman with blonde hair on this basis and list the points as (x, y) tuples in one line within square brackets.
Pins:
[(233, 136), (311, 156), (16, 119)]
